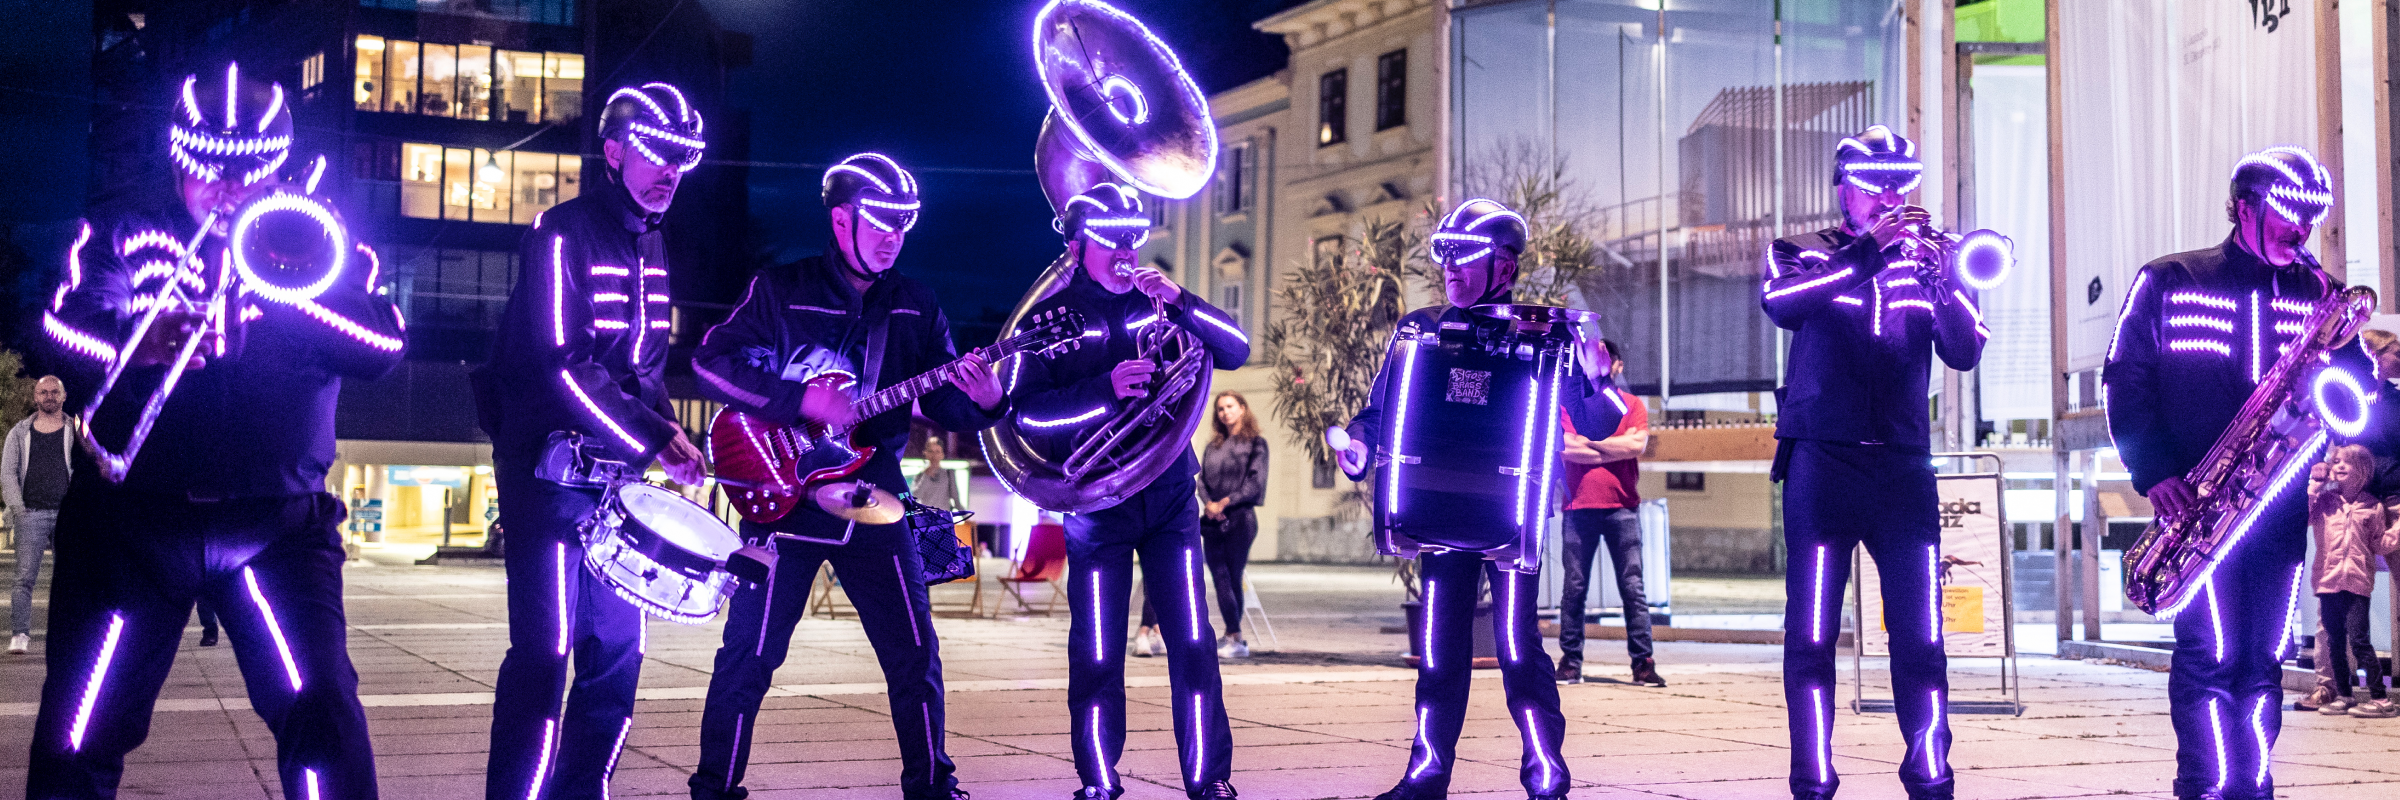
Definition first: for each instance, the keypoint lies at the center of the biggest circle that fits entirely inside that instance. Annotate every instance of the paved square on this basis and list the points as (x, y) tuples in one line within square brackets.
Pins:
[(1324, 715)]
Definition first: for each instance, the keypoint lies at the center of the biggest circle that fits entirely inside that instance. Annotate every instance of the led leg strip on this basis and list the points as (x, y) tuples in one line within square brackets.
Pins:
[(1824, 735), (1099, 638), (91, 686), (541, 768), (1816, 596), (1509, 635), (733, 759), (562, 597), (2291, 614), (1933, 755), (1199, 735), (1099, 757), (274, 628), (1191, 591), (2216, 724), (615, 752), (1432, 614), (1933, 591), (908, 609), (308, 778), (2258, 727), (2216, 621), (1424, 746), (1533, 744)]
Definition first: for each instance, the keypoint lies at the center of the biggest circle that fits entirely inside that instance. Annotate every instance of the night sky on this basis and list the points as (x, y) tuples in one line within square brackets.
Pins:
[(947, 89)]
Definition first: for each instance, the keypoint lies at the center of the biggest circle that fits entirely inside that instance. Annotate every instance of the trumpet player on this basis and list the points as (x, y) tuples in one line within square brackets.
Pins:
[(1477, 245), (2196, 330), (224, 500), (845, 310), (1059, 395), (1869, 304), (579, 364)]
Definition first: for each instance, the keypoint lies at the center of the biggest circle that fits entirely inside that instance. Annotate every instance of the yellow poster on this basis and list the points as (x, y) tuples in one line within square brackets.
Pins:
[(1962, 609)]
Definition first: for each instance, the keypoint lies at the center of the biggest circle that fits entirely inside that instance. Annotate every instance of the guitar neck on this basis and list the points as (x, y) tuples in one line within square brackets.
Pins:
[(899, 395)]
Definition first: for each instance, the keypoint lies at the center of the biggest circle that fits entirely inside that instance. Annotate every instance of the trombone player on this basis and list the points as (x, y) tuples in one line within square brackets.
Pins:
[(224, 500)]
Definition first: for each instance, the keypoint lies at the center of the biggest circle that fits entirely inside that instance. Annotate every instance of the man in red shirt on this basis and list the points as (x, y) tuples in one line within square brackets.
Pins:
[(1602, 486)]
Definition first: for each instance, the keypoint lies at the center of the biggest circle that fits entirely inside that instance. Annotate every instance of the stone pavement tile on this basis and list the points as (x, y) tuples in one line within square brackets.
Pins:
[(230, 768), (1754, 718), (1345, 754), (2047, 752), (2127, 778), (1361, 731), (684, 755), (2373, 761), (2300, 775), (1013, 767), (475, 720), (407, 765), (808, 774), (456, 786), (2084, 727), (766, 752), (2296, 740), (1007, 726), (1399, 713), (1024, 743), (394, 744), (1642, 770), (1645, 742)]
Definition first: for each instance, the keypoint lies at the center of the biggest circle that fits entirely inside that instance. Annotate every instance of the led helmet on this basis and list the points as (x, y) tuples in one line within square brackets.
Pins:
[(1474, 229), (226, 128), (1109, 214), (658, 122), (2288, 180), (1878, 160), (885, 193)]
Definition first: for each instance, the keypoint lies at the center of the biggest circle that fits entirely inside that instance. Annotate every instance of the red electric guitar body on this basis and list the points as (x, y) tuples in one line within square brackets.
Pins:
[(767, 468)]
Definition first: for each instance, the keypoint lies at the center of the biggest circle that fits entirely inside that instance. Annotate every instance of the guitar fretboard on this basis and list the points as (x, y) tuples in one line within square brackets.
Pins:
[(905, 392)]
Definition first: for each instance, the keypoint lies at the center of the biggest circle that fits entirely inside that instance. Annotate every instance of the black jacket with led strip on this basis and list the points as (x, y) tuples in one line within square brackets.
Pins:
[(798, 321), (2196, 331), (1367, 425), (1864, 333), (1061, 394), (257, 421), (582, 345)]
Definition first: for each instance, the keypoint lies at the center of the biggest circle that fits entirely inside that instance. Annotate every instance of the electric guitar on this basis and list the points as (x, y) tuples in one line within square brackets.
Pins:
[(767, 468)]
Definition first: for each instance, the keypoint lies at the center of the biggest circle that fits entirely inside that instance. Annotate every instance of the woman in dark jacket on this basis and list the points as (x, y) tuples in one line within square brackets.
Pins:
[(1233, 480)]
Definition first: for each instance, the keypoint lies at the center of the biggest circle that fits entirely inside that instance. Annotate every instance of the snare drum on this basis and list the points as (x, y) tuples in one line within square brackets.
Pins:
[(1472, 435), (661, 551)]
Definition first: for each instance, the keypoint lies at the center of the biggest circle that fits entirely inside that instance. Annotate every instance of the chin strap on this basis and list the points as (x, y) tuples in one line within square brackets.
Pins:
[(851, 260)]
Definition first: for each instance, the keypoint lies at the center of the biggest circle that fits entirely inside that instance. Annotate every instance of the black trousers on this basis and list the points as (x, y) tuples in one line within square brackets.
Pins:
[(1226, 543), (1837, 497), (129, 569), (1586, 529), (1446, 667), (557, 612), (2225, 683), (1162, 522), (881, 571), (2348, 643)]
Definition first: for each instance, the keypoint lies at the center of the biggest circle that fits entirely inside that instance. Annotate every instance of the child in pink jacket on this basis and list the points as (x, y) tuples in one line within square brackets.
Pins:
[(2352, 528)]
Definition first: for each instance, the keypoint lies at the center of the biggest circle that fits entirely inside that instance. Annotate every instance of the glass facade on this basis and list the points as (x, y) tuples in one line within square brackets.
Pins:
[(1663, 126), (467, 81), (547, 12), (478, 185)]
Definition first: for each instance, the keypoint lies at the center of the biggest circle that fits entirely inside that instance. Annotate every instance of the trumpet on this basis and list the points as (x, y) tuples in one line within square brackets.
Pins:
[(1981, 259), (284, 246)]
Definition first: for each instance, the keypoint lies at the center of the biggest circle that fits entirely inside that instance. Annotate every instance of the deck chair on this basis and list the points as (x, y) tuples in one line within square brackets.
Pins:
[(1045, 563)]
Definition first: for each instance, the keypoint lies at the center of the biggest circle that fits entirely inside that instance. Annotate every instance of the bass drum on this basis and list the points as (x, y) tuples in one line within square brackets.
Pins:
[(660, 551)]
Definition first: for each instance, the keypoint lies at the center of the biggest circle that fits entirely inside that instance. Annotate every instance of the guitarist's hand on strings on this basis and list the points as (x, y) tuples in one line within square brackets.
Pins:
[(827, 405), (685, 464), (973, 376)]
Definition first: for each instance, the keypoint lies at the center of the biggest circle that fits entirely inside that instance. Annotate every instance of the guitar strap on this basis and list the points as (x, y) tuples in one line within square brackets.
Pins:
[(879, 328)]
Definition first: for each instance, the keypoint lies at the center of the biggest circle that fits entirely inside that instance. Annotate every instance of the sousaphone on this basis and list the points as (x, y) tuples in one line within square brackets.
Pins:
[(1122, 110)]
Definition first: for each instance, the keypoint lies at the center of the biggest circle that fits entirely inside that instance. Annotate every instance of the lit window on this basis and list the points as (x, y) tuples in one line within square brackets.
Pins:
[(477, 185), (312, 72), (1333, 108), (467, 81)]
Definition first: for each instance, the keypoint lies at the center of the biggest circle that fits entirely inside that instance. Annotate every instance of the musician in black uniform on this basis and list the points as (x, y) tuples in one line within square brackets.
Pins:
[(2196, 332), (582, 350), (1477, 244), (846, 312), (226, 499), (1852, 444), (1059, 395)]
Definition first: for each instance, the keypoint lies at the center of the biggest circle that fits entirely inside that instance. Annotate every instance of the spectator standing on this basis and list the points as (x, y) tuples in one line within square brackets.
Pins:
[(1602, 498), (2351, 528), (34, 467), (2382, 440), (936, 486), (1233, 480)]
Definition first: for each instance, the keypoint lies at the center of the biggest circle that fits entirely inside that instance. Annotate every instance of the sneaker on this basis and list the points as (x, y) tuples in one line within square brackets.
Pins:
[(1146, 645), (1095, 793), (2378, 708), (1229, 647), (1645, 672), (18, 643), (2336, 707), (2313, 700), (1404, 792), (1570, 671), (1215, 791)]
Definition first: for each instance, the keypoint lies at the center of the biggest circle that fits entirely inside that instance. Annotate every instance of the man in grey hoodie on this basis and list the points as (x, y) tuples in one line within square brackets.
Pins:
[(34, 466)]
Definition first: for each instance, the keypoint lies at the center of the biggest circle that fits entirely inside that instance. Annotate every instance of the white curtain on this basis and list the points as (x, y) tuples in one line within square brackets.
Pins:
[(2161, 98), (2012, 196)]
